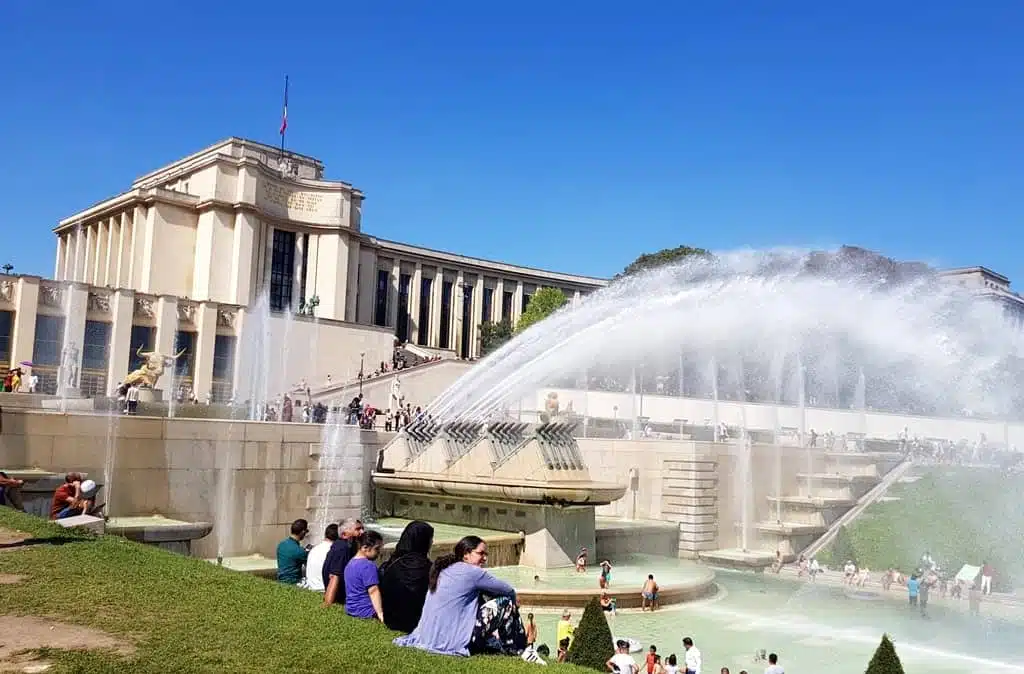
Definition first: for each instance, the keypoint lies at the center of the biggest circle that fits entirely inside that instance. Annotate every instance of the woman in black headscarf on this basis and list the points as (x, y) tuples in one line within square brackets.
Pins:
[(403, 578)]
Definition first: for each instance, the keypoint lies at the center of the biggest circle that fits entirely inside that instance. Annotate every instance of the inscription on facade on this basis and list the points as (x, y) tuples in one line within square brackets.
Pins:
[(293, 200)]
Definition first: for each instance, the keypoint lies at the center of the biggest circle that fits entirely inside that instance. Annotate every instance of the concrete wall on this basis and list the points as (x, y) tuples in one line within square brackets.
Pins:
[(420, 385), (767, 416), (174, 467)]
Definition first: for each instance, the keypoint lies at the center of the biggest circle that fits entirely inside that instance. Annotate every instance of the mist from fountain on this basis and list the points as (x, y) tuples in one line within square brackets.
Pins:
[(921, 339), (265, 357)]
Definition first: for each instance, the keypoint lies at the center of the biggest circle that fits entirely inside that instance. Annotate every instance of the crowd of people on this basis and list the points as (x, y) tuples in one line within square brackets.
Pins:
[(452, 605), (76, 495), (16, 381)]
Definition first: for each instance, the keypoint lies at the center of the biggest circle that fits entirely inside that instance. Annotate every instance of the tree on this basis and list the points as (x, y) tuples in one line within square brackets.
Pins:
[(842, 549), (544, 302), (649, 261), (592, 643), (885, 660), (493, 335)]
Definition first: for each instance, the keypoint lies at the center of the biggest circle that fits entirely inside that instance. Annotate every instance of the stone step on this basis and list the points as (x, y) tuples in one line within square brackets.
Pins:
[(696, 466), (334, 501), (687, 511), (790, 528), (695, 536), (669, 482)]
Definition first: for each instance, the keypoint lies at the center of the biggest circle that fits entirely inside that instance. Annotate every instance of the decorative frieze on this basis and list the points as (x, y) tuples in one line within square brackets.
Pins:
[(99, 302), (51, 295), (226, 318), (186, 311), (144, 307), (7, 291)]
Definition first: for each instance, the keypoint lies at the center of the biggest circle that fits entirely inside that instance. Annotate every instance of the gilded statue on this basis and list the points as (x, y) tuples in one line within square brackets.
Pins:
[(152, 368)]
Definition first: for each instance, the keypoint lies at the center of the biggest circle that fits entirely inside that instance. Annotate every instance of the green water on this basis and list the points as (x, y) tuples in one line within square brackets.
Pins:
[(628, 574), (817, 629)]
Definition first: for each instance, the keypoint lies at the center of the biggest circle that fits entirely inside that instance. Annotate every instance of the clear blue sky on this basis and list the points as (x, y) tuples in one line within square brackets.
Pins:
[(571, 136)]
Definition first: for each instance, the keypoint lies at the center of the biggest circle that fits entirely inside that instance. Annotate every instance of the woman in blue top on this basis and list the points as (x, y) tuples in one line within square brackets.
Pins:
[(467, 610)]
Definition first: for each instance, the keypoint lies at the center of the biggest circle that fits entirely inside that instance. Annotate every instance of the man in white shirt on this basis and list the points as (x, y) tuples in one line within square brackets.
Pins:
[(693, 659), (315, 561), (622, 662), (773, 665)]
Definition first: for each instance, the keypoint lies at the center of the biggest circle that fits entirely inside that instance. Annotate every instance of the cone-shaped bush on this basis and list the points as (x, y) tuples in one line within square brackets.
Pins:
[(842, 549), (885, 660), (592, 643)]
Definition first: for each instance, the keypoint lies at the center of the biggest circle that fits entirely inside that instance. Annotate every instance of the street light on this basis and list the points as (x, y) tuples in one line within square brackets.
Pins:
[(362, 355)]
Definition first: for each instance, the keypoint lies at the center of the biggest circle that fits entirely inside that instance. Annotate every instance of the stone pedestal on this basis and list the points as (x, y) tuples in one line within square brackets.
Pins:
[(70, 392), (151, 395), (554, 536)]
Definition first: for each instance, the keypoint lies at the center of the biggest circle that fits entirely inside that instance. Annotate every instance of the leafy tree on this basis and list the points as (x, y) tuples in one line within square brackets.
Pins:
[(493, 335), (592, 642), (544, 302), (649, 261), (885, 660), (842, 549)]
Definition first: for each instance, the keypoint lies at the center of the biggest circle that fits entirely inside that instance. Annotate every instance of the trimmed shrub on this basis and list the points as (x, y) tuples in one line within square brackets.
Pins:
[(885, 660), (592, 642)]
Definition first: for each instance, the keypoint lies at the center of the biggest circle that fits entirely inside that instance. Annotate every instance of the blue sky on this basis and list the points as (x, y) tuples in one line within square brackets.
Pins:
[(570, 136)]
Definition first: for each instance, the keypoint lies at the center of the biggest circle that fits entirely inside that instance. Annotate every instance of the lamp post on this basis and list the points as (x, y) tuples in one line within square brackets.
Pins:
[(362, 355)]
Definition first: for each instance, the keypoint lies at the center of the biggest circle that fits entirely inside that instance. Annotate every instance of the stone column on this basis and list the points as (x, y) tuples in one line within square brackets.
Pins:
[(517, 303), (263, 285), (499, 300), (243, 259), (367, 280), (352, 294), (100, 261), (414, 303), (476, 316), (138, 217), (297, 264), (110, 259), (206, 327), (576, 297), (436, 288), (396, 270), (77, 304), (166, 327), (458, 301), (239, 385), (312, 262), (23, 332), (58, 267), (122, 311)]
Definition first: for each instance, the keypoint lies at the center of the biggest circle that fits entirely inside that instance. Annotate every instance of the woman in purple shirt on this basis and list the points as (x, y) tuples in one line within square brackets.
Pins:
[(457, 619), (362, 591)]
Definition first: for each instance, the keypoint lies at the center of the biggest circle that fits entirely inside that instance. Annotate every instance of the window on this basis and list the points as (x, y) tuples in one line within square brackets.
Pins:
[(526, 301), (380, 312), (223, 357), (488, 304), (506, 305), (6, 329), (402, 323), (49, 340), (142, 337), (305, 269), (282, 270), (184, 341), (467, 312), (446, 315), (96, 347), (423, 327)]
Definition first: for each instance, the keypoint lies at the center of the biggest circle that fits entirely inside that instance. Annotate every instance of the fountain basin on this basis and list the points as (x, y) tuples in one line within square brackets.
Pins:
[(503, 490), (163, 532), (737, 559), (679, 581)]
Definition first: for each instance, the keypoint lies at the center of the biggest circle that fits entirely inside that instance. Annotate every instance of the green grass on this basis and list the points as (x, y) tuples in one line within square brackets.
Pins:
[(961, 515), (186, 615)]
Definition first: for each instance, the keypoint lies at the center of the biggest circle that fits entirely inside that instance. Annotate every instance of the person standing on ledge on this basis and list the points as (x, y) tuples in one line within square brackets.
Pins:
[(291, 556)]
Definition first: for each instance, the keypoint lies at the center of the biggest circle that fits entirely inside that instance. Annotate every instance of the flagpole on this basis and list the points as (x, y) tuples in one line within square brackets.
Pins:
[(284, 115)]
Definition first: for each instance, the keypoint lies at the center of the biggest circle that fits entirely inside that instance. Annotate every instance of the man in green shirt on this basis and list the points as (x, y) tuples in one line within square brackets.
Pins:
[(291, 556)]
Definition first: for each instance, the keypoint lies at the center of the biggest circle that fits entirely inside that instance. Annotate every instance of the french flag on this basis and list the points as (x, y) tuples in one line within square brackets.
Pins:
[(284, 112)]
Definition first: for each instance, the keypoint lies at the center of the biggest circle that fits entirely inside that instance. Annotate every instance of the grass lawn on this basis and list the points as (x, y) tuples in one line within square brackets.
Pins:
[(186, 615), (960, 515)]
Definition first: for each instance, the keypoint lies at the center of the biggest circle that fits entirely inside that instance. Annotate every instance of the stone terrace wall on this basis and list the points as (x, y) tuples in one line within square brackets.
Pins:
[(172, 467)]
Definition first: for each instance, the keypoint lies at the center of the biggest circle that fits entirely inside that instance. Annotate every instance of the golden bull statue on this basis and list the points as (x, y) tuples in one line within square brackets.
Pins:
[(152, 368)]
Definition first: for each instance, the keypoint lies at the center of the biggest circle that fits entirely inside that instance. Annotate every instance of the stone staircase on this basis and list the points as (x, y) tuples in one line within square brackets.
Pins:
[(690, 498), (797, 520)]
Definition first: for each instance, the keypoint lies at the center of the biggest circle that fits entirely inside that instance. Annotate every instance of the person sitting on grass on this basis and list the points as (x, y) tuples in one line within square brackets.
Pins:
[(404, 577), (10, 492), (342, 550), (291, 556), (362, 584), (74, 497), (316, 559), (454, 621)]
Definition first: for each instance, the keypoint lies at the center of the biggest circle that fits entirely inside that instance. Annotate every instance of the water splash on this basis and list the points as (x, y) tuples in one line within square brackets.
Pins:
[(922, 343)]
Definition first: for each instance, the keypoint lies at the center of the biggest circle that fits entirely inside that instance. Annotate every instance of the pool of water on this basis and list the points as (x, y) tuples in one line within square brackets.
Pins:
[(816, 628), (628, 574)]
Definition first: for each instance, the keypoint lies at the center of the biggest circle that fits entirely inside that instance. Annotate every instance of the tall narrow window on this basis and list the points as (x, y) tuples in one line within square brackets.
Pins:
[(423, 328), (488, 304), (506, 305), (184, 365), (95, 356), (526, 301), (402, 322), (223, 368), (305, 269), (282, 270), (380, 312), (446, 315), (6, 332), (143, 337)]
